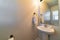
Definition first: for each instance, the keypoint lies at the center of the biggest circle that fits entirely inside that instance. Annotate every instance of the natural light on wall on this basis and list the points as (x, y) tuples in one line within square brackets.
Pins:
[(36, 3)]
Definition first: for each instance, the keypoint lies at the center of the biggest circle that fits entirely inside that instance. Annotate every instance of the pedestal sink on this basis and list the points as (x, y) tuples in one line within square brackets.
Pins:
[(45, 31)]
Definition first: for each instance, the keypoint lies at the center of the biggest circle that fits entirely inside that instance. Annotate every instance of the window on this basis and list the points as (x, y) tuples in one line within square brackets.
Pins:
[(47, 16), (55, 15)]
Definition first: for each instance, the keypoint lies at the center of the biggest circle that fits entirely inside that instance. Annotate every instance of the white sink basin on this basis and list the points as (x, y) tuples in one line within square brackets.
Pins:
[(47, 30)]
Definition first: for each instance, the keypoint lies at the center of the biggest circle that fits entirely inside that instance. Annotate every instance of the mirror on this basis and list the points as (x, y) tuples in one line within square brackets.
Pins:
[(49, 11)]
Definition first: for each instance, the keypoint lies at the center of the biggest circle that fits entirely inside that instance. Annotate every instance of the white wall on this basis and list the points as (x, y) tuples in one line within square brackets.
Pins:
[(22, 29)]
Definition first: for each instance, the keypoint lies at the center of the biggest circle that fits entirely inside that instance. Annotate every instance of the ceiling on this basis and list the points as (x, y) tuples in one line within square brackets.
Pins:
[(51, 2)]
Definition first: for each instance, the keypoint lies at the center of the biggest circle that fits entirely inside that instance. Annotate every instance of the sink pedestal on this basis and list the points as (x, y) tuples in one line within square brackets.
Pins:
[(45, 31), (44, 36)]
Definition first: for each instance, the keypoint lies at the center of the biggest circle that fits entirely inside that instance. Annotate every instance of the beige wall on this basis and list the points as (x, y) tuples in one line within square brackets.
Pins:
[(55, 7), (22, 30), (43, 7)]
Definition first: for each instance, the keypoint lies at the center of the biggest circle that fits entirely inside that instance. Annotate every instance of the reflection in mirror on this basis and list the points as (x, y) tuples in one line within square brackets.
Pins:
[(50, 12), (54, 14), (47, 17)]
